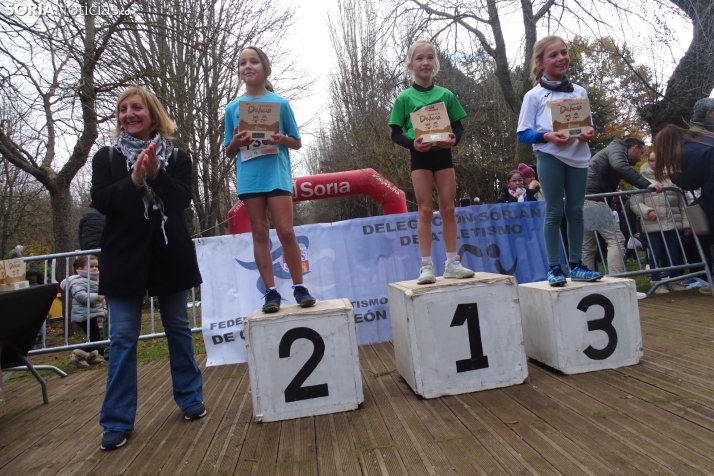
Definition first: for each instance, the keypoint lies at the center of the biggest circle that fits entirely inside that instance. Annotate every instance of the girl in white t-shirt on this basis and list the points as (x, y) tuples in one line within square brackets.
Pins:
[(562, 160)]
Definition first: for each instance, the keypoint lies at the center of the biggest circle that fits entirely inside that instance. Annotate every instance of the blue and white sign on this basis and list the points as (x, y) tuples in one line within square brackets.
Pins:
[(356, 259)]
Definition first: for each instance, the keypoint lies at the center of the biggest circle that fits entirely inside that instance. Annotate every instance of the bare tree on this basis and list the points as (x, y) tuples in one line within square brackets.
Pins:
[(48, 76), (368, 77), (24, 207), (693, 78), (482, 20), (487, 149)]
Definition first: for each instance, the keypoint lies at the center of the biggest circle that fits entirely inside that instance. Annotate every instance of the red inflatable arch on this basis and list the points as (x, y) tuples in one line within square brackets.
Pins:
[(338, 184)]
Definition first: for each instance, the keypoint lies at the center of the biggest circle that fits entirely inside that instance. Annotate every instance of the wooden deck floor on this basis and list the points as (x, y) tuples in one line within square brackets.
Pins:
[(653, 418)]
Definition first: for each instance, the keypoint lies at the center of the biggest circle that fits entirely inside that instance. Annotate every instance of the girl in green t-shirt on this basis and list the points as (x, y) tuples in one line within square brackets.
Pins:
[(430, 162)]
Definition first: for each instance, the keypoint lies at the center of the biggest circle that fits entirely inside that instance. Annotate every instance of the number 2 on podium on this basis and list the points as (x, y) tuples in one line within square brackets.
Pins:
[(295, 391)]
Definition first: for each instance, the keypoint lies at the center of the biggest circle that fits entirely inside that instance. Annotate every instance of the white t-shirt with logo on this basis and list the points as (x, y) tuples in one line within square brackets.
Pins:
[(535, 116)]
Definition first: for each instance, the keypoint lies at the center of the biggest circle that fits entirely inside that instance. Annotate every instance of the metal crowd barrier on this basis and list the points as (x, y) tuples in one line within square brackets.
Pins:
[(596, 220), (50, 262), (593, 222)]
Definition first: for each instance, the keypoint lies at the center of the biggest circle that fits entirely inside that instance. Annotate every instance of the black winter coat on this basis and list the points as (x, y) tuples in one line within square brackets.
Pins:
[(698, 172), (91, 226), (506, 197), (135, 255), (608, 167)]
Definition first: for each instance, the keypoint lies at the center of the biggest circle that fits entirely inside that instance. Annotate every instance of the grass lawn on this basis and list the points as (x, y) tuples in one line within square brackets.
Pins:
[(147, 350), (642, 280)]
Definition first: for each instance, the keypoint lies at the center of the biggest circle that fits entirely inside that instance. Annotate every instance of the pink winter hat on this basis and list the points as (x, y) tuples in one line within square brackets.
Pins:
[(525, 170)]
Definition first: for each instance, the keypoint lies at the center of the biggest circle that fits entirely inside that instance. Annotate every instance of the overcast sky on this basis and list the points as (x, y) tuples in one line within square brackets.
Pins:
[(314, 53)]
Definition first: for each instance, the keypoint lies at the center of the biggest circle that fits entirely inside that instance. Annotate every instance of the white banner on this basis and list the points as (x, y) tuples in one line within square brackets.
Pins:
[(356, 259)]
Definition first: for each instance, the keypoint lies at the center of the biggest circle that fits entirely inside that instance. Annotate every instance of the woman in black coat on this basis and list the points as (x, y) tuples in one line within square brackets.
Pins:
[(143, 185)]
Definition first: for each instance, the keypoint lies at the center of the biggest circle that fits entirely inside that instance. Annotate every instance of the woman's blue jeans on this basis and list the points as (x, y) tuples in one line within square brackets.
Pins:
[(120, 400), (658, 252)]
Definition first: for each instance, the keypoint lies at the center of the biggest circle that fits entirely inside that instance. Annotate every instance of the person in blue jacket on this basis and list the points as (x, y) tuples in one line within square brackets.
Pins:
[(687, 156)]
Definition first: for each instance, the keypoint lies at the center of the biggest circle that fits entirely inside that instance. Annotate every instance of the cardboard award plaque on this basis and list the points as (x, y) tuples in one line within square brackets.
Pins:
[(260, 119), (432, 123), (14, 275), (571, 116), (14, 270)]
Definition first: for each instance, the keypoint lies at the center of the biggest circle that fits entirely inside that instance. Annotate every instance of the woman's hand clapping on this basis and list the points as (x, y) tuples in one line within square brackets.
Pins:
[(145, 165)]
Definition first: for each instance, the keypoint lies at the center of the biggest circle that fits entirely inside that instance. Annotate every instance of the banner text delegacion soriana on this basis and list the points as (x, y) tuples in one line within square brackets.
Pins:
[(356, 259)]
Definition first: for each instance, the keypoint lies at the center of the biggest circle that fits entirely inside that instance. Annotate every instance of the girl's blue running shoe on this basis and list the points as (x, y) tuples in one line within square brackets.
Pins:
[(556, 277), (582, 273)]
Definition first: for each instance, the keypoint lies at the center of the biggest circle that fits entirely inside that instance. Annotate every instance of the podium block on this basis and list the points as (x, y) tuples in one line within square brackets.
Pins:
[(303, 361), (583, 326), (458, 335)]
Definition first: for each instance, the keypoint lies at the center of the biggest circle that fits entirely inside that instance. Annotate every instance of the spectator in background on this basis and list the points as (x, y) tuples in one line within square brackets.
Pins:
[(16, 252), (529, 180), (688, 158), (655, 213), (703, 119), (83, 287), (91, 227), (605, 170), (515, 192)]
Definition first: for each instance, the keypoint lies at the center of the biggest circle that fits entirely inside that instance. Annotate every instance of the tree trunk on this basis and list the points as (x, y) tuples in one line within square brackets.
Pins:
[(61, 199), (693, 78), (524, 153)]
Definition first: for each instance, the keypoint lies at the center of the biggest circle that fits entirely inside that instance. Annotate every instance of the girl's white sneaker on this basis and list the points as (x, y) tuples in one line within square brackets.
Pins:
[(454, 269), (426, 273)]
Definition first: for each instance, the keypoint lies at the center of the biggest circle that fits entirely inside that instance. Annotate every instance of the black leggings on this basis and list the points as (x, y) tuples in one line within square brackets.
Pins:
[(94, 334)]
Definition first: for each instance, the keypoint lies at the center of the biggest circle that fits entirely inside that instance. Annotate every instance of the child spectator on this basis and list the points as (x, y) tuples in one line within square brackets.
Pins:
[(76, 285), (515, 192), (529, 180)]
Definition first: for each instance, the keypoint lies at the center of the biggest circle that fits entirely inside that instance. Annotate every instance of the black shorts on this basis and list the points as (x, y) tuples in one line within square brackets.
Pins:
[(433, 160), (273, 193)]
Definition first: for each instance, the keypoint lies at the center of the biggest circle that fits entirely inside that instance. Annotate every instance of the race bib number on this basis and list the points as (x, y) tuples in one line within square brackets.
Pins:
[(257, 149)]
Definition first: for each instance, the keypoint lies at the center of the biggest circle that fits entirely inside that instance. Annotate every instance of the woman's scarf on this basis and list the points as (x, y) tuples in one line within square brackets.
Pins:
[(564, 86), (131, 147)]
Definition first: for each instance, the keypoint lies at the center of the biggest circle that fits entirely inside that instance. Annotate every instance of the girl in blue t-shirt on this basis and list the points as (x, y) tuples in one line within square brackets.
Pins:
[(264, 179), (431, 162), (562, 160)]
